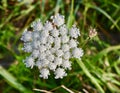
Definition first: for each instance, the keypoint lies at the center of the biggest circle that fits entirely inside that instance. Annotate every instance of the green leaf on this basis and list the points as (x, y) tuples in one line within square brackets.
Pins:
[(105, 14), (105, 51), (87, 73), (71, 17), (12, 80)]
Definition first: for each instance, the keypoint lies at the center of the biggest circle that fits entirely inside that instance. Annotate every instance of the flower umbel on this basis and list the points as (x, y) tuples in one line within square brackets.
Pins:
[(51, 46)]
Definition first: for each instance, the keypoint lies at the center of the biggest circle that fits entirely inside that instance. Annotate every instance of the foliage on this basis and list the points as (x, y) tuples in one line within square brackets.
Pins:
[(98, 70)]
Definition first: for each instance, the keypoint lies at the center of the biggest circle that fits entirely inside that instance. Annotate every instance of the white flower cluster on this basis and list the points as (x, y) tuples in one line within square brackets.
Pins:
[(51, 46)]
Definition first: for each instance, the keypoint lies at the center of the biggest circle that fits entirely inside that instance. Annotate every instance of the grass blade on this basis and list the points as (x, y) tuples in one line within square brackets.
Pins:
[(105, 51), (93, 80), (71, 17), (105, 14), (12, 80)]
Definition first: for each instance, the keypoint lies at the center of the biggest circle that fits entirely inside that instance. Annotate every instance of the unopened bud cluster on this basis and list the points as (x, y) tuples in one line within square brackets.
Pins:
[(92, 32), (51, 46)]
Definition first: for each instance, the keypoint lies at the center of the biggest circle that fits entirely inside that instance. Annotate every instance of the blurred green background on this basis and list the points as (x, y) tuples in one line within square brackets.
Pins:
[(99, 69)]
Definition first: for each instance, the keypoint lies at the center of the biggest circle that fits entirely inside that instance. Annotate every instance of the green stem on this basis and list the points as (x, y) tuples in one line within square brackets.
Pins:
[(71, 17), (57, 6), (85, 42)]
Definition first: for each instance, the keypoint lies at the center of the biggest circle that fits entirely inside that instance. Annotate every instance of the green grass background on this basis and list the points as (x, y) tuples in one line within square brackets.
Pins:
[(99, 69)]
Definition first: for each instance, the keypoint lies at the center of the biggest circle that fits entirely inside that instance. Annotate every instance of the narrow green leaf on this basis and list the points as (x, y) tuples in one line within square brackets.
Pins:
[(12, 80), (87, 73), (105, 51), (71, 17), (106, 14)]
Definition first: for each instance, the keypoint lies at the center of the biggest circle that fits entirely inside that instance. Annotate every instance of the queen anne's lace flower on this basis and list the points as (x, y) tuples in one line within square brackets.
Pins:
[(51, 46)]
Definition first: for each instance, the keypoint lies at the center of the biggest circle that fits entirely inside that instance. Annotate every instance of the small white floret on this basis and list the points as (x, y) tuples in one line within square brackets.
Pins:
[(65, 47), (48, 52), (66, 64), (42, 56), (36, 44), (44, 63), (50, 57), (44, 34), (72, 43), (58, 61), (26, 36), (54, 32), (57, 43), (52, 66), (37, 25), (48, 46), (35, 54), (27, 47), (59, 52), (63, 30), (77, 52), (43, 40), (60, 73), (57, 40), (39, 64), (35, 35), (52, 50), (44, 72), (67, 55), (50, 39), (48, 26), (64, 39), (74, 32), (42, 48), (29, 61), (58, 19)]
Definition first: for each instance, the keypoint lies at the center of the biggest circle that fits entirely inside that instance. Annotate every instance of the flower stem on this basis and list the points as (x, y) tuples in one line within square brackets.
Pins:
[(71, 17)]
